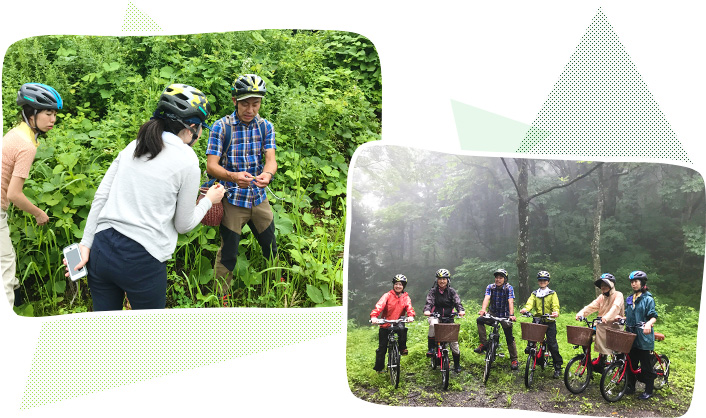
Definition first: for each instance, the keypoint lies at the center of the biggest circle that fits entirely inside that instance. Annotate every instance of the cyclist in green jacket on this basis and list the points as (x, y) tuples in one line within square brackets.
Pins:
[(545, 301)]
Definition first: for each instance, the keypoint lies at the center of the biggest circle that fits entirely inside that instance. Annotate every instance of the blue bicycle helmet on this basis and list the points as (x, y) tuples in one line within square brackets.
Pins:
[(39, 96), (606, 278)]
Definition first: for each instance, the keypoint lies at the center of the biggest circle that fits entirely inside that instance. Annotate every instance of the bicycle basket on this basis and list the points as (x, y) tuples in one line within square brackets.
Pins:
[(579, 335), (215, 214), (446, 333), (533, 332), (619, 341)]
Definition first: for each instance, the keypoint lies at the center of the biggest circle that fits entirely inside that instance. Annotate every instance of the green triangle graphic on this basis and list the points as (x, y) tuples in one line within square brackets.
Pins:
[(600, 106), (79, 356), (135, 20), (480, 130)]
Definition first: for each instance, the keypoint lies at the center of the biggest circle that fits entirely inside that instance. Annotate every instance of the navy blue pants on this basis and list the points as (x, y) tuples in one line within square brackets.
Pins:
[(118, 265)]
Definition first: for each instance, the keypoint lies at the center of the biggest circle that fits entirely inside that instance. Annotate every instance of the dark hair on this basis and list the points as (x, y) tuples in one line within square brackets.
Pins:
[(149, 137), (28, 111)]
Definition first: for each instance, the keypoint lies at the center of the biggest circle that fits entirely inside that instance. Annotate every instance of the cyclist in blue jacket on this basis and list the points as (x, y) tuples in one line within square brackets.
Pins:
[(640, 308)]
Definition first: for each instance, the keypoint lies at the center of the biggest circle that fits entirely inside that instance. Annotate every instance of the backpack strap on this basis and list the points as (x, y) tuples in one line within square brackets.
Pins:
[(262, 126), (226, 139)]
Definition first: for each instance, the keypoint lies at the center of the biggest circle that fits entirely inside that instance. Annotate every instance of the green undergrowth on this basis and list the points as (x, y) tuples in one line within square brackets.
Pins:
[(419, 381)]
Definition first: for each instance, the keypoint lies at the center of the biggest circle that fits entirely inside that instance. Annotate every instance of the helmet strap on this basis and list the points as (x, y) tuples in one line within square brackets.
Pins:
[(194, 133), (34, 128)]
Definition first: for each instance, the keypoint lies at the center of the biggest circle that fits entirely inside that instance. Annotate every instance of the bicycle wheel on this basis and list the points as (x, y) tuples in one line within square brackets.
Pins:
[(614, 382), (434, 360), (393, 364), (577, 374), (445, 370), (489, 355), (661, 368), (529, 369)]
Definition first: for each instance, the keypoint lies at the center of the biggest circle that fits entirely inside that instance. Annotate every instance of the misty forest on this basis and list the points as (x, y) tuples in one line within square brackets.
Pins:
[(415, 211)]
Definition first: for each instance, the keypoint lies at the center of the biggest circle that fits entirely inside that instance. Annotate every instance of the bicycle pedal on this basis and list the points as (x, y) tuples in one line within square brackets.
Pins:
[(501, 354)]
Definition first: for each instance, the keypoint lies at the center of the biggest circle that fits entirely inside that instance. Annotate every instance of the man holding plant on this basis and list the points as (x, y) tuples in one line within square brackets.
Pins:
[(241, 153), (39, 104)]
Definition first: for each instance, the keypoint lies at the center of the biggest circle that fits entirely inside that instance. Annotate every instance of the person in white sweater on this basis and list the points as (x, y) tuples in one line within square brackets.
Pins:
[(146, 198)]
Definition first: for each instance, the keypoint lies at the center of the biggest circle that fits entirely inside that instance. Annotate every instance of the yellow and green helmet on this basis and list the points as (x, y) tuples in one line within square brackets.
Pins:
[(185, 102), (248, 85)]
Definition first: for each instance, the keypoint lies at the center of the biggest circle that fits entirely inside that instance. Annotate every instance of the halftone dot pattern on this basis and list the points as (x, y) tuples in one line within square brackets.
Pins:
[(136, 21), (600, 107), (80, 356)]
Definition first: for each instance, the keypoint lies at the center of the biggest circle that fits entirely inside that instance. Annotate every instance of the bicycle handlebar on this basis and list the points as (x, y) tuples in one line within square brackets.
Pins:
[(389, 321), (529, 315), (438, 315), (495, 318)]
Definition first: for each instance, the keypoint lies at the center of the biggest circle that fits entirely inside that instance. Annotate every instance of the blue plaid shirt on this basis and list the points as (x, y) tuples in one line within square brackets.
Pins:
[(499, 305), (246, 153)]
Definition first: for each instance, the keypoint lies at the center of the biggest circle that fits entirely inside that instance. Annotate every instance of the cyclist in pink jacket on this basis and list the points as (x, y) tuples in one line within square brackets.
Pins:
[(392, 305)]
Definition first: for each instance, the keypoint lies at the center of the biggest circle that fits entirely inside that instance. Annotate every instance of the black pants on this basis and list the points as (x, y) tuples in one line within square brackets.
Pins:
[(552, 345), (383, 334), (647, 375)]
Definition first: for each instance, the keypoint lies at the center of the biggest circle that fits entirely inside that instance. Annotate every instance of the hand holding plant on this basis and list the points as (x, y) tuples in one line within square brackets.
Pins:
[(214, 194)]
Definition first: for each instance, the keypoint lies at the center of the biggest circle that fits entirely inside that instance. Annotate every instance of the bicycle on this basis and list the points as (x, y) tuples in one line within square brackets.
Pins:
[(493, 344), (614, 381), (534, 332), (579, 370), (444, 333), (393, 348)]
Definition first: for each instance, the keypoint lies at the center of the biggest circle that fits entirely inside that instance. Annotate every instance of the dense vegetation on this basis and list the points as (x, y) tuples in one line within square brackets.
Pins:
[(324, 99), (414, 212), (420, 385)]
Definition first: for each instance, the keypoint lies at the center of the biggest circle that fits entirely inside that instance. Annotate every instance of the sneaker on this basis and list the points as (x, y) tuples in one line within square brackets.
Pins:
[(557, 373), (430, 353), (629, 390), (645, 396), (404, 352), (480, 348), (513, 365), (457, 369)]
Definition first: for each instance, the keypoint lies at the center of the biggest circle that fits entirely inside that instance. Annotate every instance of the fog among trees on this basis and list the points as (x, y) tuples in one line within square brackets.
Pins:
[(414, 211)]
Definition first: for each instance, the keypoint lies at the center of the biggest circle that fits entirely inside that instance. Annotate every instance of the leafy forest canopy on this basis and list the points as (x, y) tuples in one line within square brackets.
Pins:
[(415, 211), (324, 97)]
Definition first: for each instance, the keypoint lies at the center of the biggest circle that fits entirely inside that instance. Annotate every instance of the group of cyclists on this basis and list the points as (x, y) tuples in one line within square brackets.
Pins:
[(149, 194), (442, 299)]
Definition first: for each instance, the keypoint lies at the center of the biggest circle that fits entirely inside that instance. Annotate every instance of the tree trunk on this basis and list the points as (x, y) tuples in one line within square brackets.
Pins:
[(596, 241), (523, 241)]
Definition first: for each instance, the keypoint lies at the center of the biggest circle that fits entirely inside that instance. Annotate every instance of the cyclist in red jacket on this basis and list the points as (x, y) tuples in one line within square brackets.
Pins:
[(392, 305)]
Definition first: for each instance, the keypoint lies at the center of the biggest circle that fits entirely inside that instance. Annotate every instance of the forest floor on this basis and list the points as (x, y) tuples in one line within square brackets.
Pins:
[(546, 395)]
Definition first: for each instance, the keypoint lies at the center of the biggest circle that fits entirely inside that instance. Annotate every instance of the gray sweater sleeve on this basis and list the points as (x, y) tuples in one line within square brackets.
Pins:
[(99, 200), (188, 215)]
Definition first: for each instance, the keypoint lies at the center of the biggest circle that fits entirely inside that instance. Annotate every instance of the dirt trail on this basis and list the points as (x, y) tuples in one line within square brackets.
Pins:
[(546, 395)]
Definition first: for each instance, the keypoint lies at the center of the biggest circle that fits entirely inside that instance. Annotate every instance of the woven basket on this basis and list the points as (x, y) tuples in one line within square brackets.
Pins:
[(579, 335), (533, 332), (619, 341), (446, 333), (215, 214)]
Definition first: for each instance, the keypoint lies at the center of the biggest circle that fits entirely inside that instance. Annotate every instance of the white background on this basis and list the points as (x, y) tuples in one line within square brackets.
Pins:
[(503, 57)]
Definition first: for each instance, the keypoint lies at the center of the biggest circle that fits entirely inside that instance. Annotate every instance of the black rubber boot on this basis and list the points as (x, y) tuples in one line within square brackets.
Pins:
[(457, 362), (431, 344), (379, 361), (18, 297)]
